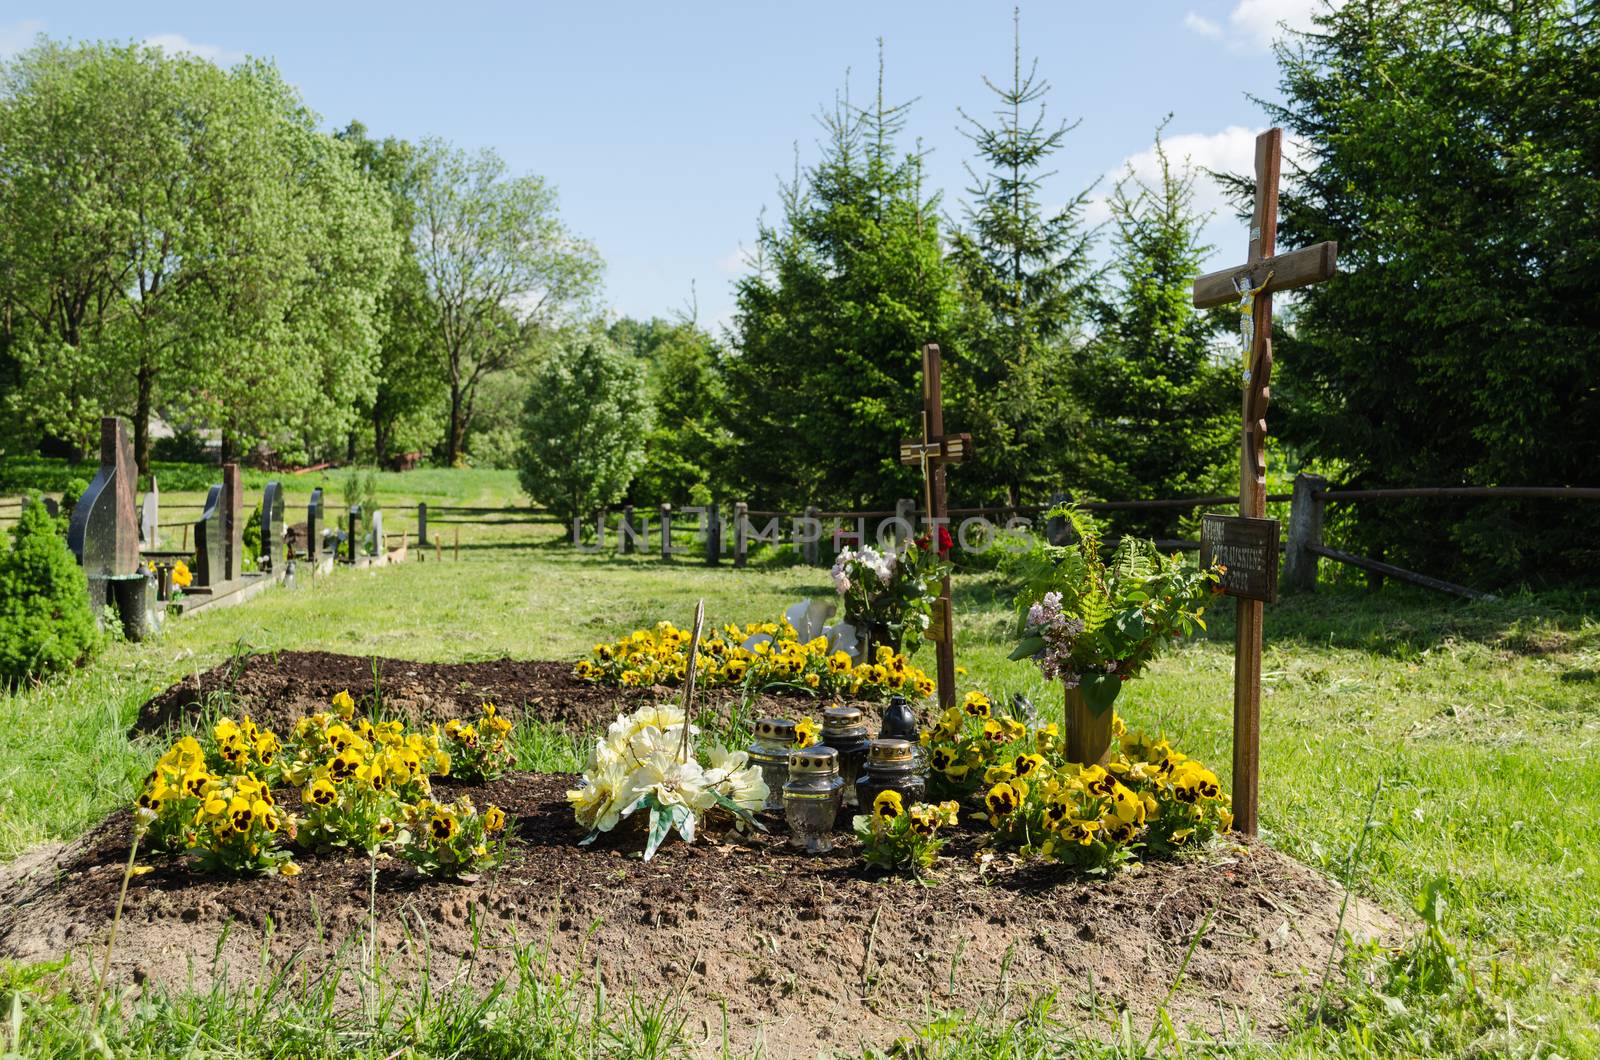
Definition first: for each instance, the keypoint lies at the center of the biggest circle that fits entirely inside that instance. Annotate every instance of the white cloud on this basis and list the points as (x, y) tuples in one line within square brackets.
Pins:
[(1253, 25), (178, 44), (1198, 23), (1229, 150), (17, 36)]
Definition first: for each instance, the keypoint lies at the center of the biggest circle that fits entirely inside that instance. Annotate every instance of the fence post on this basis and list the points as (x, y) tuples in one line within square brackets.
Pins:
[(625, 530), (666, 531), (1055, 530), (741, 533), (713, 534), (1305, 530), (422, 524), (808, 548)]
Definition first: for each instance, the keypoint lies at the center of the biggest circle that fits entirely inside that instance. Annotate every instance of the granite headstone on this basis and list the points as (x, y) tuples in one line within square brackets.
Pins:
[(209, 544), (272, 557), (314, 526), (104, 532)]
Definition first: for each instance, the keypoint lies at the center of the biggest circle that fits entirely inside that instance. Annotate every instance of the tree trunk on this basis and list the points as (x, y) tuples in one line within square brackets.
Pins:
[(457, 442), (350, 448), (141, 419), (380, 438)]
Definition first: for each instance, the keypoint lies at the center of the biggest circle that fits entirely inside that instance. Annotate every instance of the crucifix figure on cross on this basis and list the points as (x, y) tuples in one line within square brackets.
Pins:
[(1250, 286), (931, 453)]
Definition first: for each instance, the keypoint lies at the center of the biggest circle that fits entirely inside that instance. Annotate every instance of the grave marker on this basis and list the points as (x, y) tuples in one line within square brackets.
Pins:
[(353, 538), (150, 518), (104, 532), (233, 523), (1250, 287), (210, 548), (272, 527), (314, 527), (1248, 551), (932, 452), (379, 548)]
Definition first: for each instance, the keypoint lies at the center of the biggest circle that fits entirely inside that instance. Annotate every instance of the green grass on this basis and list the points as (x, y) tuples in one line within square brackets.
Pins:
[(1481, 720)]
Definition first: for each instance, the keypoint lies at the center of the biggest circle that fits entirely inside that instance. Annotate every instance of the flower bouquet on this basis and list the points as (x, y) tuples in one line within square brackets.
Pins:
[(1093, 624), (888, 596)]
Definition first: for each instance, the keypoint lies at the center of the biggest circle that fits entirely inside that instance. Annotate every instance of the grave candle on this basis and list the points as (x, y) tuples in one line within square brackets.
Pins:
[(774, 740), (811, 798), (845, 732), (890, 766)]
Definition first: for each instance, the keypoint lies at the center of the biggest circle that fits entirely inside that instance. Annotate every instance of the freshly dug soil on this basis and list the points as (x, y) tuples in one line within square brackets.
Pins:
[(278, 688), (806, 954)]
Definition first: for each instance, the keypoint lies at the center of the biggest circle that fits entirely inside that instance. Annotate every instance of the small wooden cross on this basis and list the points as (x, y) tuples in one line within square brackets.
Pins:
[(1250, 286), (932, 452)]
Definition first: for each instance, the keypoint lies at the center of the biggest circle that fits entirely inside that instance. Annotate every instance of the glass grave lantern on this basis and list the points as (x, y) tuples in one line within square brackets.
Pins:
[(811, 798), (774, 739)]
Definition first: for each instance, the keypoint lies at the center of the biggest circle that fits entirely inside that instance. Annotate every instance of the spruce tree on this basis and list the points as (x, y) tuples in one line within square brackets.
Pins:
[(1453, 149), (1161, 397), (45, 621), (848, 285), (1027, 281)]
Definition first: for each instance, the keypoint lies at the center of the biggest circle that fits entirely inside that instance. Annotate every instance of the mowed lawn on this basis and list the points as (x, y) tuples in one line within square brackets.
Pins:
[(1480, 721)]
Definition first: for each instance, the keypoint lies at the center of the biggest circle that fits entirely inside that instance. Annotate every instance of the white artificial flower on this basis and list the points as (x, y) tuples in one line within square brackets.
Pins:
[(745, 788), (672, 783), (599, 801)]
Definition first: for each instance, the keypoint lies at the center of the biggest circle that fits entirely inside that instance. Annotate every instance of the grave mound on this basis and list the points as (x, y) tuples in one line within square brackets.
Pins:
[(800, 952), (278, 688)]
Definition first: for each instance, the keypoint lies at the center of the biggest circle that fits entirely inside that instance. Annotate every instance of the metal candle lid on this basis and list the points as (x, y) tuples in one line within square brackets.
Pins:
[(889, 751), (843, 720), (775, 730), (813, 760)]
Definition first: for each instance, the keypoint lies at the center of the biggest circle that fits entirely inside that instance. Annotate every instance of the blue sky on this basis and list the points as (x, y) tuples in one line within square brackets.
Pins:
[(665, 126)]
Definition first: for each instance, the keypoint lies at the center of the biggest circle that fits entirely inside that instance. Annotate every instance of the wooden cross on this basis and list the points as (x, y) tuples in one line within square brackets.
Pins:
[(1250, 286), (932, 452)]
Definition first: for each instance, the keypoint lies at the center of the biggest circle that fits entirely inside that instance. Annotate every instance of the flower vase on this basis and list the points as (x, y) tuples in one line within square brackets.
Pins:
[(1088, 734)]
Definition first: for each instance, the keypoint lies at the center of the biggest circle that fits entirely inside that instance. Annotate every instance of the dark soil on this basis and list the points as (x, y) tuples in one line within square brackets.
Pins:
[(806, 954), (278, 688)]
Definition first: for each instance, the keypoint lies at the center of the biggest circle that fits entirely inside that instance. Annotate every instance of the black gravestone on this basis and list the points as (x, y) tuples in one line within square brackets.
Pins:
[(210, 547), (104, 532), (272, 527), (314, 526), (353, 540)]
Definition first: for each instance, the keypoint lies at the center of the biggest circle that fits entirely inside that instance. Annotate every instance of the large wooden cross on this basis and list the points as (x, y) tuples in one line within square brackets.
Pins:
[(931, 453), (1250, 286)]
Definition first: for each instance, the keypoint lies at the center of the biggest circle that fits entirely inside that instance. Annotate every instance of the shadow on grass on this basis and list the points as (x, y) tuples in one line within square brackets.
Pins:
[(1402, 623)]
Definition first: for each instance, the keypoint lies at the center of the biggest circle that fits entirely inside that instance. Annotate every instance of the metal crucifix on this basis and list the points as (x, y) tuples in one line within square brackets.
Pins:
[(1250, 287), (932, 452)]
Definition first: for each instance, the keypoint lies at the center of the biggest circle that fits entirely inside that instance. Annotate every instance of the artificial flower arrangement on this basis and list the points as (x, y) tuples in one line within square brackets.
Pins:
[(363, 786), (763, 657), (903, 838), (1094, 817), (888, 596), (648, 762), (1093, 625)]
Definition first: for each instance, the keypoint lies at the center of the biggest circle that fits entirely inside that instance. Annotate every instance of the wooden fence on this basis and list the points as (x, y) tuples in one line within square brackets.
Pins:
[(818, 535)]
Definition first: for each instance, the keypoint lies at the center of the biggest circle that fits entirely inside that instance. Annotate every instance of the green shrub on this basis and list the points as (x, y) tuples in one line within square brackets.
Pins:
[(45, 622), (251, 539)]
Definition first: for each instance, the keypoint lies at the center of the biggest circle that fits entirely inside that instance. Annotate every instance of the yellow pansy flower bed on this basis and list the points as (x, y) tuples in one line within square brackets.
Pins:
[(1147, 796), (363, 785), (764, 657)]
